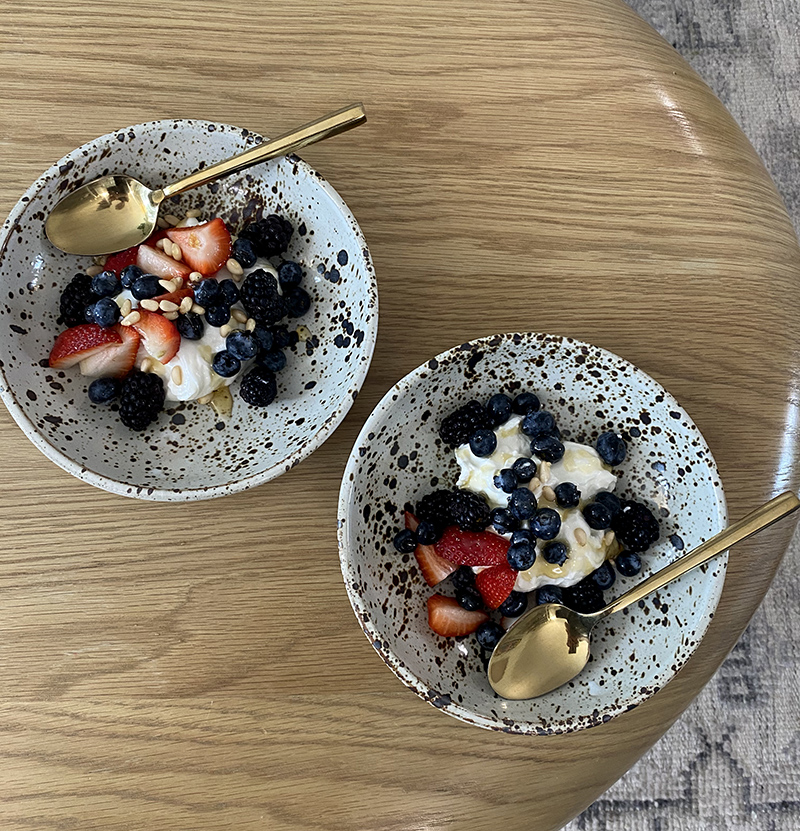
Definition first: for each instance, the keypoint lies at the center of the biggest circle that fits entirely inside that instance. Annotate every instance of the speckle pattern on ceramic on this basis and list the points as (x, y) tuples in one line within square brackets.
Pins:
[(189, 453), (399, 456)]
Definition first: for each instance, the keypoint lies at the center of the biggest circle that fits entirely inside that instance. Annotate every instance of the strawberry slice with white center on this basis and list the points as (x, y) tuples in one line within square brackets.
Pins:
[(206, 248), (447, 618), (160, 339), (115, 360), (79, 342), (472, 548), (495, 584), (155, 261), (433, 567)]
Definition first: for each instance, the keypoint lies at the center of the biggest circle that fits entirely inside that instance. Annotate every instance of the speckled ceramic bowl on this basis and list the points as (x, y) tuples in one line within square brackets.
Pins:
[(398, 457), (189, 453)]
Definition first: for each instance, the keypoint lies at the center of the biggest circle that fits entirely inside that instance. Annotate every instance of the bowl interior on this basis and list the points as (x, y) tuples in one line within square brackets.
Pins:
[(189, 453), (398, 457)]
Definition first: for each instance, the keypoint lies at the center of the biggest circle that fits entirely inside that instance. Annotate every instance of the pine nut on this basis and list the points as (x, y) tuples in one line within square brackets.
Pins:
[(239, 316), (177, 254), (130, 319), (250, 325), (148, 365), (172, 219), (149, 304), (225, 330), (234, 267), (168, 306), (544, 472), (93, 270), (198, 309), (177, 375), (548, 493), (162, 242), (171, 315), (580, 536), (193, 213), (167, 285), (608, 538), (125, 308), (186, 305), (534, 484), (195, 277)]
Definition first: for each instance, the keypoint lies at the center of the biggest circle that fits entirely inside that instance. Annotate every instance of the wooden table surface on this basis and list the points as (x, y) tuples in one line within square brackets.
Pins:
[(550, 165)]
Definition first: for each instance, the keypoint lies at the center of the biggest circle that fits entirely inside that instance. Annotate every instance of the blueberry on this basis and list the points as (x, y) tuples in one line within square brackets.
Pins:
[(514, 605), (525, 469), (483, 442), (597, 516), (526, 402), (549, 594), (469, 599), (225, 364), (289, 274), (628, 563), (547, 448), (206, 293), (297, 302), (405, 541), (567, 495), (273, 361), (105, 312), (229, 292), (103, 390), (463, 577), (129, 274), (610, 500), (428, 533), (538, 423), (521, 556), (505, 480), (611, 448), (241, 345), (503, 521), (88, 313), (105, 284), (146, 286), (522, 534), (282, 337), (555, 553), (499, 409), (604, 576), (546, 524), (243, 252), (217, 314), (522, 503), (263, 338), (190, 326), (489, 634)]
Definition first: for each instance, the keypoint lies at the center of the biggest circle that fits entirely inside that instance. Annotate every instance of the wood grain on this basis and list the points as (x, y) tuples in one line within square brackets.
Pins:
[(548, 165)]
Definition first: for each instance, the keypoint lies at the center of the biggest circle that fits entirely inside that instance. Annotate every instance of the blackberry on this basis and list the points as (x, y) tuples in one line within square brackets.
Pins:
[(435, 507), (457, 428), (469, 511), (258, 387), (585, 596), (190, 326), (270, 236), (635, 526), (141, 399), (260, 298), (77, 295)]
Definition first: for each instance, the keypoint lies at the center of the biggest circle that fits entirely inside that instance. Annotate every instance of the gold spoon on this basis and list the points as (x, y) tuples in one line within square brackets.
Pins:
[(549, 645), (115, 212)]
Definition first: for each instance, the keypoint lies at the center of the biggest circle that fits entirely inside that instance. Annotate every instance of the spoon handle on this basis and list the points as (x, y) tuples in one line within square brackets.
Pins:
[(329, 125), (754, 522)]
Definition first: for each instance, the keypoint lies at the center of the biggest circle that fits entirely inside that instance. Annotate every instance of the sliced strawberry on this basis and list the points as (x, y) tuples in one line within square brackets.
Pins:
[(205, 247), (495, 584), (412, 523), (79, 342), (433, 567), (155, 261), (122, 259), (159, 336), (447, 618), (470, 548), (116, 359)]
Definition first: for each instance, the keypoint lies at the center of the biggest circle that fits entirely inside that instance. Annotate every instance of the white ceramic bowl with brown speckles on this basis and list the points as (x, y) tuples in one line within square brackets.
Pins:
[(398, 457), (189, 453)]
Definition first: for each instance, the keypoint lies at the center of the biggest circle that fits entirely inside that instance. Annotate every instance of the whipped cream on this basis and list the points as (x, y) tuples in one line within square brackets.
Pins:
[(580, 465)]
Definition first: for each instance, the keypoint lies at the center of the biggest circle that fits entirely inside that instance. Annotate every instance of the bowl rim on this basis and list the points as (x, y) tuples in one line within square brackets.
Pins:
[(328, 425), (439, 699)]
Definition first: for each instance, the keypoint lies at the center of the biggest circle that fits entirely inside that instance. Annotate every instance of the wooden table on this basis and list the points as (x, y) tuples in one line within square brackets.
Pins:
[(549, 165)]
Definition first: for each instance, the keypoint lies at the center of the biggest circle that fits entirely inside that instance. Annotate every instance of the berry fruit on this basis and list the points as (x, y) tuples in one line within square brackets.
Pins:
[(628, 563), (225, 364), (522, 503), (546, 524), (241, 345), (77, 295), (103, 390), (514, 605), (610, 500), (505, 480), (428, 533), (538, 423), (521, 556), (105, 284), (526, 402), (555, 553), (297, 301), (447, 618), (218, 313), (190, 326), (457, 428), (499, 409), (567, 495), (469, 599), (260, 297), (604, 576), (274, 361), (597, 516), (258, 387), (141, 399), (524, 469), (289, 274), (483, 442), (463, 577), (146, 287), (105, 312), (585, 596), (503, 521), (489, 633), (405, 541), (547, 448), (129, 275), (244, 253), (549, 594), (635, 526), (611, 449), (207, 292), (469, 511)]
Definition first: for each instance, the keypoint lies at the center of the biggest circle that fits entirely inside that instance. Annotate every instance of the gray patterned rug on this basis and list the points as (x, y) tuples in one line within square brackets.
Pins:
[(732, 761)]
